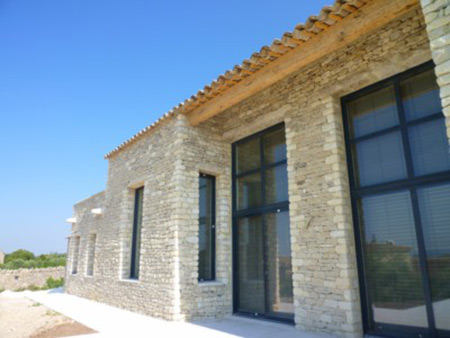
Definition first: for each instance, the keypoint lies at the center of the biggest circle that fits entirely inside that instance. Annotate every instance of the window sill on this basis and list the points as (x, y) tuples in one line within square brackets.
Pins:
[(211, 283), (129, 280)]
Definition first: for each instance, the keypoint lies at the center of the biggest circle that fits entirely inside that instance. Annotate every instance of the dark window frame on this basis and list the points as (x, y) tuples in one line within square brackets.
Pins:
[(212, 252), (262, 210), (135, 251), (411, 183)]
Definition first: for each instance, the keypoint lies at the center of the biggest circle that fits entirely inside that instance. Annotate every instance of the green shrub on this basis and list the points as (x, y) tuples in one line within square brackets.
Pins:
[(16, 264), (53, 283)]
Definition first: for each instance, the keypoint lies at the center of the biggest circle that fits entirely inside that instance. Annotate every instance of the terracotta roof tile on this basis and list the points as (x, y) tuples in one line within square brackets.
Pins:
[(313, 26)]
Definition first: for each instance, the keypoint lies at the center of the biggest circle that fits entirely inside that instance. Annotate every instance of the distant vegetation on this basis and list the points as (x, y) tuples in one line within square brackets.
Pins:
[(50, 283), (27, 260)]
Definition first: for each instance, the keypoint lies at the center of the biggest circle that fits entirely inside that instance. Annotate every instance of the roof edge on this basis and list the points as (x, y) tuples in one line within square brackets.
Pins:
[(315, 25)]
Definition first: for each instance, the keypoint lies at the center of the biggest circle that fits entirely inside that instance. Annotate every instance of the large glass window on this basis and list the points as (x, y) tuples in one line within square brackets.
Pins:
[(207, 216), (263, 274), (400, 177), (136, 237), (260, 170)]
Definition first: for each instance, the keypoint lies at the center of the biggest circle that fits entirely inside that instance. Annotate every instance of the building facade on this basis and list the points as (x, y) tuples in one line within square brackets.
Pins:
[(310, 185)]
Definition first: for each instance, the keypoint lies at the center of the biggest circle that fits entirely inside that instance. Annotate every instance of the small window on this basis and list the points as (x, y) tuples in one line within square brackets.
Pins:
[(136, 239), (91, 255), (207, 219), (76, 253)]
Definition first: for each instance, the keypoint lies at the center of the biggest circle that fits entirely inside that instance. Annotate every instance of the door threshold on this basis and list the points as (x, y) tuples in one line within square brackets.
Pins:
[(264, 319)]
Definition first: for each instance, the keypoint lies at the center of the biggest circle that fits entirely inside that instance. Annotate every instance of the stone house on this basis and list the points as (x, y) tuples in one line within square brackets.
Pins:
[(2, 257), (309, 185)]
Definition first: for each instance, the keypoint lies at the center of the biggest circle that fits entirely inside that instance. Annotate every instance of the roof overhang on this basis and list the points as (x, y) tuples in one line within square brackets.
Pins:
[(335, 27), (368, 17)]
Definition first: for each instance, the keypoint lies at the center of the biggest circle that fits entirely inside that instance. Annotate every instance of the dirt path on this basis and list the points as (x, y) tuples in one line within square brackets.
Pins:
[(21, 317)]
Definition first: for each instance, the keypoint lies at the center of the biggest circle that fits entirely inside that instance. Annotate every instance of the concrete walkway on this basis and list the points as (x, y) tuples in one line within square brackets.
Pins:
[(109, 321)]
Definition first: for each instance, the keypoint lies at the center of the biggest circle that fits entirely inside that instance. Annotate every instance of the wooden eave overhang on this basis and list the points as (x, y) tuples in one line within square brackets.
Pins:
[(335, 27)]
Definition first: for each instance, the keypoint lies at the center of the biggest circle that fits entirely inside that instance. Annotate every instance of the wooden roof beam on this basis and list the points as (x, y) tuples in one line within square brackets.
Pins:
[(370, 17)]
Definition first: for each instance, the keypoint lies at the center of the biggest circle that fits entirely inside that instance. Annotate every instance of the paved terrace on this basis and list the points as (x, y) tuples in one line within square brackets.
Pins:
[(109, 321)]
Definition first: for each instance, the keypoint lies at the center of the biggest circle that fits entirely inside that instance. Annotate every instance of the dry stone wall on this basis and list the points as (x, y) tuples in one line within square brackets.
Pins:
[(150, 163), (203, 151), (23, 278)]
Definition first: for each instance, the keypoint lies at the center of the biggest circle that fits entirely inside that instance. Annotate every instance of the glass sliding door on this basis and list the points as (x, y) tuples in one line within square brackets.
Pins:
[(399, 165), (280, 300), (251, 265), (392, 260), (261, 230)]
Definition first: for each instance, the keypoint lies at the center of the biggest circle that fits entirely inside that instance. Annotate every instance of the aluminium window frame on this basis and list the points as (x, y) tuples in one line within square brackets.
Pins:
[(261, 210), (134, 275), (213, 230), (411, 183)]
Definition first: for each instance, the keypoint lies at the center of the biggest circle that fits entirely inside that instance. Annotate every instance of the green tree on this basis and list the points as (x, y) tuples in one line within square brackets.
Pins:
[(27, 260), (19, 254)]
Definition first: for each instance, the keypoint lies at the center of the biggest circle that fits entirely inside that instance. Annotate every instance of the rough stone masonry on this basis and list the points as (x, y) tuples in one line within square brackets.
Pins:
[(23, 278)]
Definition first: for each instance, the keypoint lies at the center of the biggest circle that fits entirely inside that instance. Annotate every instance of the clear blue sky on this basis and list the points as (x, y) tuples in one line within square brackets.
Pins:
[(78, 77)]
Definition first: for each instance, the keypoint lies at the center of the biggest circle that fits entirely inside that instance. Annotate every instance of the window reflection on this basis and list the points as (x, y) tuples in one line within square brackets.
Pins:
[(392, 260), (248, 156), (429, 147), (249, 191), (373, 112), (420, 95), (275, 147), (279, 263), (381, 159), (435, 214)]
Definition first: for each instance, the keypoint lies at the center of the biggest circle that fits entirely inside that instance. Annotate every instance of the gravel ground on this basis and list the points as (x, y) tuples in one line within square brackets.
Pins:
[(21, 317)]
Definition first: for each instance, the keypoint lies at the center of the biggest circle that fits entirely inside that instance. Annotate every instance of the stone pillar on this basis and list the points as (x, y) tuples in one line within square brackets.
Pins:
[(325, 277), (437, 18)]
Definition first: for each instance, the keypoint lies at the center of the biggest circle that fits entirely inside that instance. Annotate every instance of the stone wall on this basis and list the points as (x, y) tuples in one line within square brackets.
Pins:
[(167, 162), (23, 278), (203, 151), (151, 163), (326, 289)]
